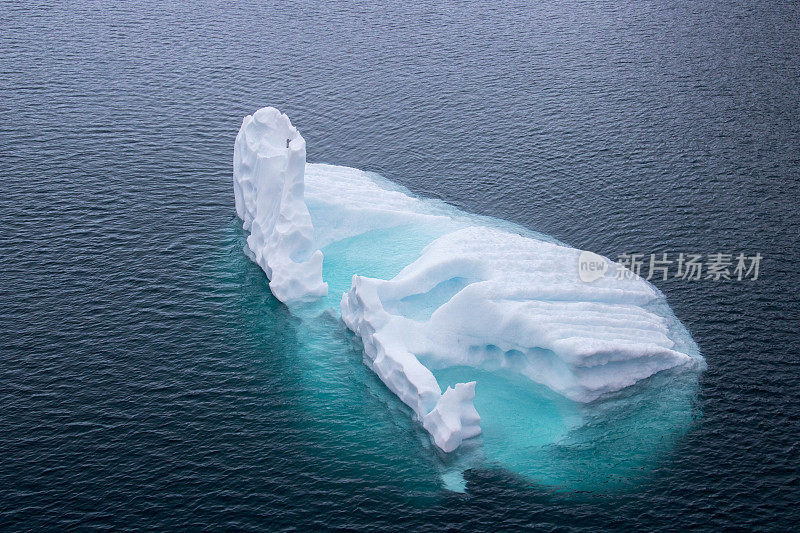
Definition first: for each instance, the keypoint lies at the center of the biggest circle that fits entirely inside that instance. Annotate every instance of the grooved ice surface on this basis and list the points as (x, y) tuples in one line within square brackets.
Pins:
[(428, 288), (517, 303)]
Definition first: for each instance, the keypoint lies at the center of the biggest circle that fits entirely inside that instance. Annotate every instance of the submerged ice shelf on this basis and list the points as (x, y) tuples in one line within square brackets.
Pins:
[(432, 291)]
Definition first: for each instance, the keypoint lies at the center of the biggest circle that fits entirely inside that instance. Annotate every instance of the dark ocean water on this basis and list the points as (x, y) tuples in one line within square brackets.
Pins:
[(148, 378)]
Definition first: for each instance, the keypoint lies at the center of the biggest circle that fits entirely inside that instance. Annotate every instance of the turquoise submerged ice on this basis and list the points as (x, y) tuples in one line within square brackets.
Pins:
[(484, 329)]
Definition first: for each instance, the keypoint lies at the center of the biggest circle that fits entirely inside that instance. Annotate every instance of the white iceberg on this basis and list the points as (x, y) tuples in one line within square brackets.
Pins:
[(429, 288)]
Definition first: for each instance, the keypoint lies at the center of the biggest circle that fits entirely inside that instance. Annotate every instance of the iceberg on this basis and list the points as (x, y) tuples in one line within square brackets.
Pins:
[(435, 295)]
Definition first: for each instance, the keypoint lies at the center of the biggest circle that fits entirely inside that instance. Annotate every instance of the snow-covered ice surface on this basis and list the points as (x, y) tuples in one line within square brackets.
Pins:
[(474, 323)]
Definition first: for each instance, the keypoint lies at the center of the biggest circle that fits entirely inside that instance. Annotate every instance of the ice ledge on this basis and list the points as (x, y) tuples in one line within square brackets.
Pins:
[(450, 417)]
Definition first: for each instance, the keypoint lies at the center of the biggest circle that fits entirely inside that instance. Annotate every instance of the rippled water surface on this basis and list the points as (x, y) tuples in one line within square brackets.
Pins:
[(148, 378)]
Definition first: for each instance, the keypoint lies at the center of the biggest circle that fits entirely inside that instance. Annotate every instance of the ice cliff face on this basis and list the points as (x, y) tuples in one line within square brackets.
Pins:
[(428, 288), (269, 160)]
